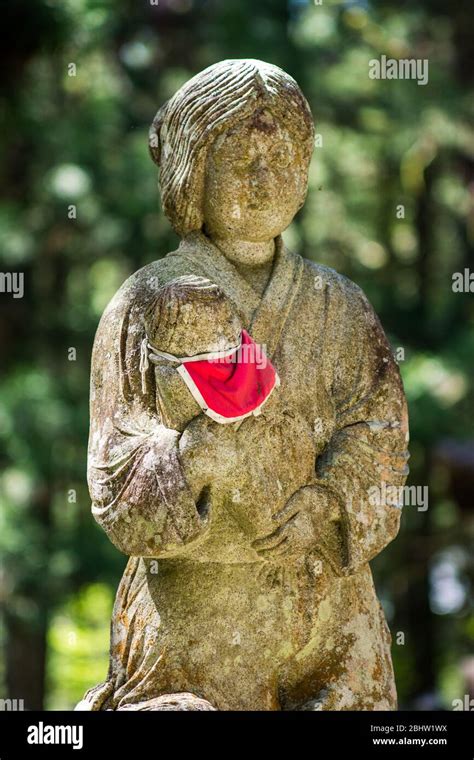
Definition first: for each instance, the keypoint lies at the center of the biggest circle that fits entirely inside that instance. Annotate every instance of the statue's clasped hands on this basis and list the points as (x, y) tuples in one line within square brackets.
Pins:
[(307, 528), (294, 532)]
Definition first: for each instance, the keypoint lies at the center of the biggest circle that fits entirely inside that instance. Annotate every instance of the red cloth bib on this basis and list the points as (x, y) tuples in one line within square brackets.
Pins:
[(230, 388)]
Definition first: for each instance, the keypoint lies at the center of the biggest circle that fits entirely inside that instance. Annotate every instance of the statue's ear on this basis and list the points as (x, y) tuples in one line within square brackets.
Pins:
[(154, 137)]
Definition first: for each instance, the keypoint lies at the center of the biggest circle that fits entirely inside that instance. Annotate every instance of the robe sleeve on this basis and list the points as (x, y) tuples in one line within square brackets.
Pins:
[(139, 492), (360, 473)]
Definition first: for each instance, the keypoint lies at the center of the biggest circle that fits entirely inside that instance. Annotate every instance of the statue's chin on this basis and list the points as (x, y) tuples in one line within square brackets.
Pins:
[(255, 233)]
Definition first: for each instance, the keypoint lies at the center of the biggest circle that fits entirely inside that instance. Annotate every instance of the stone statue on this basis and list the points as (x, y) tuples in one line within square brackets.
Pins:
[(242, 489)]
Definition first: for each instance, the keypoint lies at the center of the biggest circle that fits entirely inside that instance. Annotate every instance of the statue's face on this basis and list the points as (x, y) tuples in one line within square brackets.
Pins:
[(256, 180)]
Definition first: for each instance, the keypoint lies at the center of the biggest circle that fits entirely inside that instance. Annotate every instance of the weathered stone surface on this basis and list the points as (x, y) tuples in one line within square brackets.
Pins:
[(175, 702), (248, 584)]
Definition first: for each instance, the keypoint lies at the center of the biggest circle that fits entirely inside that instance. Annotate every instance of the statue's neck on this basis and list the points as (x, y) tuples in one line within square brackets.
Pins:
[(254, 261)]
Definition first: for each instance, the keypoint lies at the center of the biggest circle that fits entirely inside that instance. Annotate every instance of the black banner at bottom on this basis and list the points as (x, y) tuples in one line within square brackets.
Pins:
[(127, 734)]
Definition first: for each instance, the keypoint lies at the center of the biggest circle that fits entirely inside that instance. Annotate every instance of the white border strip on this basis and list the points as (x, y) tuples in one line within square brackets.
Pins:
[(156, 354)]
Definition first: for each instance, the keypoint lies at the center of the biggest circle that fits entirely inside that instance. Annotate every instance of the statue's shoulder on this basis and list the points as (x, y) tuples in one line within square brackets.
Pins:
[(140, 288), (336, 286), (124, 312)]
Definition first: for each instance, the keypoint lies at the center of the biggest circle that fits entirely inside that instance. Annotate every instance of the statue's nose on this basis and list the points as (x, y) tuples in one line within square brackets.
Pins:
[(259, 172)]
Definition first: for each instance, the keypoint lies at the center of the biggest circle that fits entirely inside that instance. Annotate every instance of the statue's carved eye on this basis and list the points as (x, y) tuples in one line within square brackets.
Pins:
[(243, 164), (240, 162), (281, 157)]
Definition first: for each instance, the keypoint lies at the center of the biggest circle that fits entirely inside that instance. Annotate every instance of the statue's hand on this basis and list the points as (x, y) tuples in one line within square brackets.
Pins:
[(308, 521), (208, 453), (294, 533)]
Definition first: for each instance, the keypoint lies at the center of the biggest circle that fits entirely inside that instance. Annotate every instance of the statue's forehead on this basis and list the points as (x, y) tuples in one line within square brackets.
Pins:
[(262, 126)]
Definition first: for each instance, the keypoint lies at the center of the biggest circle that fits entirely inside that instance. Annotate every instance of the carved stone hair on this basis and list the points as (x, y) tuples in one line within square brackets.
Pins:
[(173, 301), (188, 315), (213, 101)]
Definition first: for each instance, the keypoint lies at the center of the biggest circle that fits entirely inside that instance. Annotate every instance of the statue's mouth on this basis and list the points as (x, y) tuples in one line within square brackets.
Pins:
[(262, 205)]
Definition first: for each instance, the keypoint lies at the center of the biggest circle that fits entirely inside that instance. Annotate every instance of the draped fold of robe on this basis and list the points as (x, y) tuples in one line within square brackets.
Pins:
[(198, 610)]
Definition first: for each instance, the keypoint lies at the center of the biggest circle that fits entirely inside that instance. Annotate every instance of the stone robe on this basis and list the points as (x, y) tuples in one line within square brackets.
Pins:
[(198, 610)]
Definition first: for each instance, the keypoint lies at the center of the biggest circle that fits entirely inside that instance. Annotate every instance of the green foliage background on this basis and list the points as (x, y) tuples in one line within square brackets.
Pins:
[(82, 140)]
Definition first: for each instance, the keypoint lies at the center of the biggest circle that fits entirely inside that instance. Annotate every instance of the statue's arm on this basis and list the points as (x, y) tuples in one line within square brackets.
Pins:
[(140, 494), (365, 460), (142, 499)]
